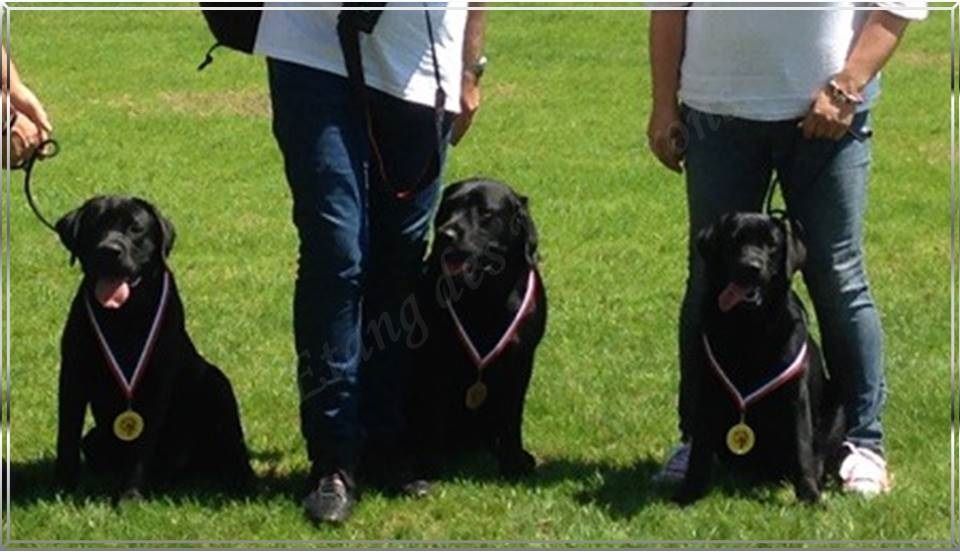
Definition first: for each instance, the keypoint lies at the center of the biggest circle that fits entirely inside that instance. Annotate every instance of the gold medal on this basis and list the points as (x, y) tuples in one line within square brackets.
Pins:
[(740, 438), (476, 394), (128, 425)]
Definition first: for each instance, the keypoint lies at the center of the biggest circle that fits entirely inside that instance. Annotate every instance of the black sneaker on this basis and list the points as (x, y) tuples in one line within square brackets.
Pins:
[(332, 501), (415, 488)]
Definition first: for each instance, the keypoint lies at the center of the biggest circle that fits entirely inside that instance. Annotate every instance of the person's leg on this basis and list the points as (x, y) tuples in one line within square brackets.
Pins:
[(727, 167), (393, 325), (826, 191), (324, 153)]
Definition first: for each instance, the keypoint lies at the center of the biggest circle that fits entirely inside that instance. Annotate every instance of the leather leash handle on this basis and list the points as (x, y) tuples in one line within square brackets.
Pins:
[(47, 149)]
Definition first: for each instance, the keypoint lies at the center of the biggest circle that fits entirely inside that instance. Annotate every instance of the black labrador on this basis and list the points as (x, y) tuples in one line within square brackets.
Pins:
[(162, 413), (485, 310), (767, 406)]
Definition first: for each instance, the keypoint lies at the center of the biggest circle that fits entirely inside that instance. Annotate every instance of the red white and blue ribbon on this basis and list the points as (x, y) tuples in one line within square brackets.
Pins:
[(130, 386), (526, 307), (796, 367)]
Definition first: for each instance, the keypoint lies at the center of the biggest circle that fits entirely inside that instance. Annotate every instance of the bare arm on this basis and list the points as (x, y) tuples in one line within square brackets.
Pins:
[(667, 38), (14, 80), (667, 34), (877, 41), (473, 41), (474, 35)]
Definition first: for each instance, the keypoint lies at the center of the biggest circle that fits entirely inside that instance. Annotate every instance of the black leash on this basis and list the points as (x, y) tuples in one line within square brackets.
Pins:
[(859, 135), (47, 149)]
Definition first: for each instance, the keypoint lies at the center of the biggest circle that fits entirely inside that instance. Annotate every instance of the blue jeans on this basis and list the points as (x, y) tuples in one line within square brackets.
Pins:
[(361, 251), (729, 163)]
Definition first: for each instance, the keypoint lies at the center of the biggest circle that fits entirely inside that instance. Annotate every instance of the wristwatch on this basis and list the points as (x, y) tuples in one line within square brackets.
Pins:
[(478, 67)]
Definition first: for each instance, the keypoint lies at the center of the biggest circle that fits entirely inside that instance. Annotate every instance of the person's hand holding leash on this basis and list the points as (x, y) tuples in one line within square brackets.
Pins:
[(25, 136), (836, 103), (832, 112)]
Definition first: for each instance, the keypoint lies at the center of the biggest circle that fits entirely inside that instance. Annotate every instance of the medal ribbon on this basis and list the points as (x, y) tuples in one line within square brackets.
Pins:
[(526, 306), (129, 387), (796, 367)]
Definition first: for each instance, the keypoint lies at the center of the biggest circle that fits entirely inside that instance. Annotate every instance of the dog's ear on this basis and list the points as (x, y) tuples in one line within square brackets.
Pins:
[(531, 241), (68, 228), (796, 252), (167, 232), (452, 189), (708, 242)]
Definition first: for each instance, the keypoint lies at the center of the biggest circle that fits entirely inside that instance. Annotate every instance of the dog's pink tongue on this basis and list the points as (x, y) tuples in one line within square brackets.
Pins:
[(731, 296), (112, 293)]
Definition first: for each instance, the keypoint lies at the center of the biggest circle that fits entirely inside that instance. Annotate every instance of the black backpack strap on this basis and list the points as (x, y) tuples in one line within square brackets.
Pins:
[(349, 36), (440, 97)]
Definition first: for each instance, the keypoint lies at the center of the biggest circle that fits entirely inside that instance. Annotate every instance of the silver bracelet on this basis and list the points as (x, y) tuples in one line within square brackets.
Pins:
[(842, 96)]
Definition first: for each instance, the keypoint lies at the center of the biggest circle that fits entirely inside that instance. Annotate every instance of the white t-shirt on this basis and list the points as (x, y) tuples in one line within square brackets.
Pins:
[(769, 65), (396, 56)]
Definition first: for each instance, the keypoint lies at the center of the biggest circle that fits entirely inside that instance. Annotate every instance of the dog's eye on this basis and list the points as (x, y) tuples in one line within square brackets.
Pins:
[(484, 213), (137, 228)]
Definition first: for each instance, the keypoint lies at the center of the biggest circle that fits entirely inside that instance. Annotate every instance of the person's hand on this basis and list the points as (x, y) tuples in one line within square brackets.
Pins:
[(469, 103), (28, 105), (25, 136), (665, 136), (828, 117)]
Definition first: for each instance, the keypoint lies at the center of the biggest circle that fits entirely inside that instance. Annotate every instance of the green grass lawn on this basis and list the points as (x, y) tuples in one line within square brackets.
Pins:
[(564, 117)]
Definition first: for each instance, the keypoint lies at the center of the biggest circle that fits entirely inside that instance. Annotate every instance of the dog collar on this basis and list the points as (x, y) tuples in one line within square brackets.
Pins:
[(793, 369), (526, 307), (129, 386)]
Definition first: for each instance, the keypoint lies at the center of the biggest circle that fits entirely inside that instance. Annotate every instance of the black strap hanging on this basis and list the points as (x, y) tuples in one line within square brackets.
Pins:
[(233, 28), (350, 24)]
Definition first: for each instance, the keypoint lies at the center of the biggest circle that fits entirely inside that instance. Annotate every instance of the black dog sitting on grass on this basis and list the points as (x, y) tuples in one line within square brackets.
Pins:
[(485, 310), (766, 405), (161, 411)]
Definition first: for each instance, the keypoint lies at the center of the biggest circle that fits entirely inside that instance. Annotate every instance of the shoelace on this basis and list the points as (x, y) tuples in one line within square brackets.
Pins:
[(864, 465), (677, 464), (679, 461)]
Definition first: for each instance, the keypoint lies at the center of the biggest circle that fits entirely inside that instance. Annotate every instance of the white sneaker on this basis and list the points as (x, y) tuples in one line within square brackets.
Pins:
[(675, 468), (864, 471)]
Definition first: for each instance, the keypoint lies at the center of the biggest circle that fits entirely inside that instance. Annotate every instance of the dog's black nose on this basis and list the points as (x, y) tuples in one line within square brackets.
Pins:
[(109, 249), (750, 270)]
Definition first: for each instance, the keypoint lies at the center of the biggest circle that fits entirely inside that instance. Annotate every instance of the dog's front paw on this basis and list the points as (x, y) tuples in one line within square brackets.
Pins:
[(130, 496), (687, 495), (807, 494), (66, 477), (65, 484), (518, 464)]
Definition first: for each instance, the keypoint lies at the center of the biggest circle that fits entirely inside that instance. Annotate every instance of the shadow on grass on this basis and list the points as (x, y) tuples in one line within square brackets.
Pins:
[(33, 481), (622, 491)]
